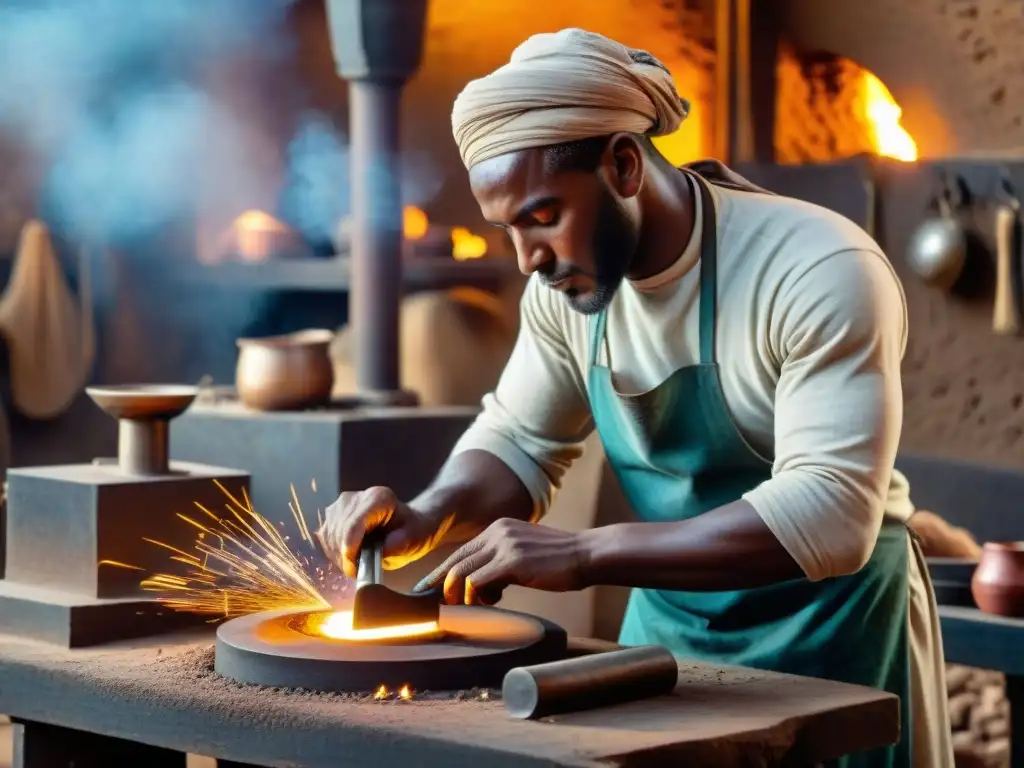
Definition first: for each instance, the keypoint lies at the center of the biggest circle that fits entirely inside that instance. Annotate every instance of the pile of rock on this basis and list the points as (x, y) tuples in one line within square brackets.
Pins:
[(980, 716)]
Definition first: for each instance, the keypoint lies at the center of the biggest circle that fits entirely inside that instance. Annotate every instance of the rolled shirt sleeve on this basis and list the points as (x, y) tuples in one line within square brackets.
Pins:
[(839, 331), (538, 416)]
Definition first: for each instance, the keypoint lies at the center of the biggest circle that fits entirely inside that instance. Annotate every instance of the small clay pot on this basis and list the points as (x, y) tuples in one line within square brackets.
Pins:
[(998, 583), (285, 373)]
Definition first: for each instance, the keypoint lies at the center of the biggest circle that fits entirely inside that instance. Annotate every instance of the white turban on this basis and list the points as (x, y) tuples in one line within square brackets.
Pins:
[(565, 86)]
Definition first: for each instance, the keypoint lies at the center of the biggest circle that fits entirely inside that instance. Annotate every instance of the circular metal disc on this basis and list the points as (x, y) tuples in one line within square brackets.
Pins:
[(475, 648)]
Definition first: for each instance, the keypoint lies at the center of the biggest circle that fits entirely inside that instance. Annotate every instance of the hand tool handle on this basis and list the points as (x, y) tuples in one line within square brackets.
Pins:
[(371, 556), (587, 682), (1005, 313)]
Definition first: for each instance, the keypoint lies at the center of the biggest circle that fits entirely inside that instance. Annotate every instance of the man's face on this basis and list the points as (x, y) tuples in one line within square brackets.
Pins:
[(574, 228)]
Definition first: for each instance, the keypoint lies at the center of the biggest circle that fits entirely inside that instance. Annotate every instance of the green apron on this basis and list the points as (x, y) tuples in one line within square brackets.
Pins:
[(678, 454)]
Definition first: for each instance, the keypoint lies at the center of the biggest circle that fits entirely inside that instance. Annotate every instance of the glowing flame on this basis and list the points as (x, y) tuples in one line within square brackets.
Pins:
[(414, 223), (890, 139), (338, 626), (257, 235), (381, 693), (404, 693), (466, 245)]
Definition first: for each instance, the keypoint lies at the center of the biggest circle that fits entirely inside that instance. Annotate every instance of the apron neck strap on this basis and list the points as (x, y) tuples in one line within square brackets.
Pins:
[(597, 325), (708, 307)]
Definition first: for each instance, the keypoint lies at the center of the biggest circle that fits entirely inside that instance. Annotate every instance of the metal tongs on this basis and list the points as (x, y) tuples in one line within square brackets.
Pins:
[(378, 606)]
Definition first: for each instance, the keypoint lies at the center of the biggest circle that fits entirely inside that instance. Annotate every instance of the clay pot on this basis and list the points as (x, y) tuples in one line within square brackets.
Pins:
[(998, 583), (285, 373)]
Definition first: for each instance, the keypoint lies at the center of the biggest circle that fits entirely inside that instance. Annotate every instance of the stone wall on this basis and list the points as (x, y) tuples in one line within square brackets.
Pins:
[(955, 66), (963, 385)]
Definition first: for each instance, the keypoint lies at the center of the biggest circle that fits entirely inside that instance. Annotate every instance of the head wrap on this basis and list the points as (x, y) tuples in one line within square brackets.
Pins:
[(565, 86)]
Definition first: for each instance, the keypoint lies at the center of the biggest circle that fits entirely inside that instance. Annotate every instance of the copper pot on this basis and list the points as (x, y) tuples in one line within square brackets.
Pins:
[(998, 583), (285, 373)]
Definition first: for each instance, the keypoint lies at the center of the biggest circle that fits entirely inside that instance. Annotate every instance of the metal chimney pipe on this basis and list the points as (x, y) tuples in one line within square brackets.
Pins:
[(377, 45)]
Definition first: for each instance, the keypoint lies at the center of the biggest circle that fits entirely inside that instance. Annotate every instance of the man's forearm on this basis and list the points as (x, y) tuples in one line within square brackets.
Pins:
[(725, 549), (473, 490)]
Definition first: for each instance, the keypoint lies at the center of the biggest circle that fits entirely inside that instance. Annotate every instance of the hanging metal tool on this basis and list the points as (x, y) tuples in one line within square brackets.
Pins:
[(937, 250), (1006, 312)]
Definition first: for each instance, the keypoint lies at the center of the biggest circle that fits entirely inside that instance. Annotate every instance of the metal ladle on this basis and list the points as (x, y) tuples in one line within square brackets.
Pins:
[(937, 250)]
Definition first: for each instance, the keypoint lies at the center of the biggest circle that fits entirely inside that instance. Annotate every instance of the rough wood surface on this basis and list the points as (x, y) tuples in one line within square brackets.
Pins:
[(166, 694)]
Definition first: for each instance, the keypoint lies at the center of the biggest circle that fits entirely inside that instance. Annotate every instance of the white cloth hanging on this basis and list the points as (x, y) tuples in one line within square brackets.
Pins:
[(50, 334)]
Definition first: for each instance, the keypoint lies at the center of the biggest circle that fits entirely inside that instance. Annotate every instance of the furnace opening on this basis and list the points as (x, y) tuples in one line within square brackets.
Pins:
[(830, 108)]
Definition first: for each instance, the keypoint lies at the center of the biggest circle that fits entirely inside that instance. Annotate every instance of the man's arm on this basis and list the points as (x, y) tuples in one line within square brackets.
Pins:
[(512, 458), (840, 331)]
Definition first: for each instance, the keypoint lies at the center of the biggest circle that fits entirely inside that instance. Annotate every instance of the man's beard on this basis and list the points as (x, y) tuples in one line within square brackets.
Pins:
[(614, 245)]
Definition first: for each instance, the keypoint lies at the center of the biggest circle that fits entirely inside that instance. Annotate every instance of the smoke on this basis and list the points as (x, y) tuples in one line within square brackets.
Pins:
[(317, 196), (113, 98), (108, 95), (316, 193)]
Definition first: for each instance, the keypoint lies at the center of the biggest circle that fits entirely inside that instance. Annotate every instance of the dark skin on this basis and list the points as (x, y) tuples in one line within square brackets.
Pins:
[(572, 227)]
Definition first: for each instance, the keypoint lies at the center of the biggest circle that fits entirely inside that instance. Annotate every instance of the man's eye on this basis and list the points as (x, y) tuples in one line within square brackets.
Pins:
[(544, 216)]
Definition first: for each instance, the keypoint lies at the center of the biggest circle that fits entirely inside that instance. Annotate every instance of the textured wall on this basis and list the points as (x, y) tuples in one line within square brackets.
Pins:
[(963, 385), (955, 66)]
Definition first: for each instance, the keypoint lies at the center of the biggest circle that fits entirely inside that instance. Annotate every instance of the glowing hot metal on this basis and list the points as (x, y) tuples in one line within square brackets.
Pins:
[(338, 626)]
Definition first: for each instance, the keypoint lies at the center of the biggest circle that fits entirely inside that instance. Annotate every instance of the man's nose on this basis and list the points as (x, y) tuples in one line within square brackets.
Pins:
[(534, 257)]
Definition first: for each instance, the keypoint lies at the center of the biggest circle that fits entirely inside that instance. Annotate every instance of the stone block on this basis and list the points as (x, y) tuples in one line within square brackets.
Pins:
[(70, 620), (340, 450), (63, 522)]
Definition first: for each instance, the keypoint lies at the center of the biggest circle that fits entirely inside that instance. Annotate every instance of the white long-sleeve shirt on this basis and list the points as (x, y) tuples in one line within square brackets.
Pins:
[(812, 327), (811, 331)]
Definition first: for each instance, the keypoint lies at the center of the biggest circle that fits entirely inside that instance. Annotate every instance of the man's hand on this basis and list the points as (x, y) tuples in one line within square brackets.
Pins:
[(511, 552), (408, 536)]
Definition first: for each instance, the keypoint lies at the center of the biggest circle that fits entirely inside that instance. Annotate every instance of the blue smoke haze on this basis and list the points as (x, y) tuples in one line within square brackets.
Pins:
[(109, 95)]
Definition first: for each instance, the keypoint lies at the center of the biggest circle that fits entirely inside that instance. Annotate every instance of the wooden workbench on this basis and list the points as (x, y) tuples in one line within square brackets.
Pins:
[(163, 693)]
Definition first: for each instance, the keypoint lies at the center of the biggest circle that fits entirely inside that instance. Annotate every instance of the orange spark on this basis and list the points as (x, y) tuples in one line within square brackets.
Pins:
[(244, 565), (118, 564)]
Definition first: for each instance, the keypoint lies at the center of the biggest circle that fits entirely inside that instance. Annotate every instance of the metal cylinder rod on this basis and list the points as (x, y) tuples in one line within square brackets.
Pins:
[(376, 285), (588, 682), (142, 446)]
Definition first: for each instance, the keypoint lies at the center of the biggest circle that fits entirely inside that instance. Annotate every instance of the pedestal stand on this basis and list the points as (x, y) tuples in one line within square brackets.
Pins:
[(73, 529)]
